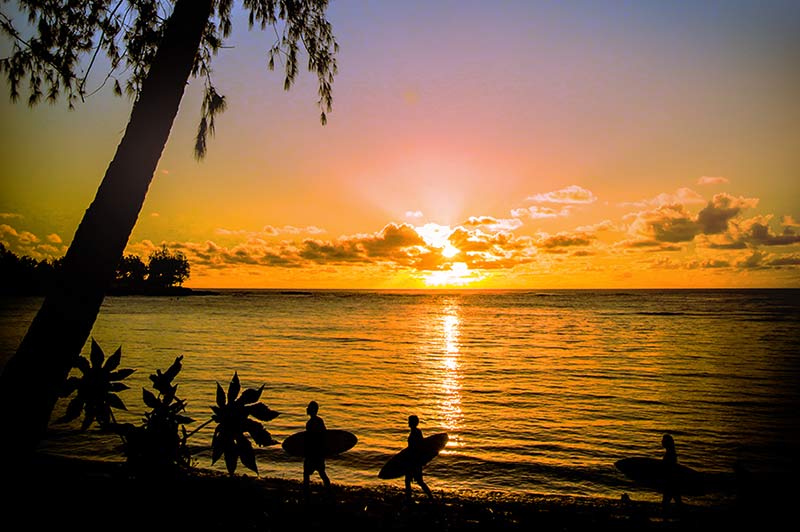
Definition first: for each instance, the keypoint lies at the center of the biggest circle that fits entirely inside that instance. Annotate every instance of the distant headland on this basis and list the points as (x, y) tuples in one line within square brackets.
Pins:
[(163, 275)]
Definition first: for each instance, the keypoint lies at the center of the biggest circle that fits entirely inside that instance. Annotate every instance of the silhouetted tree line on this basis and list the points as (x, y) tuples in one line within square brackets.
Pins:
[(165, 271), (26, 275)]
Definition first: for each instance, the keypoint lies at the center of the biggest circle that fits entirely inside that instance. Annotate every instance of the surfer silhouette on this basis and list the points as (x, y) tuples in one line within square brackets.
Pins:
[(414, 446), (670, 461), (315, 447)]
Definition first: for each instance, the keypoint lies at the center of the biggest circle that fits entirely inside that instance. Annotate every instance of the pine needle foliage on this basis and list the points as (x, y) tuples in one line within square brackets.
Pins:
[(55, 45)]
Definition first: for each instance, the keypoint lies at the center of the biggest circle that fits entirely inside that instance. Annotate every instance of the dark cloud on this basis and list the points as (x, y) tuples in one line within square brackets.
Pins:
[(714, 217), (754, 261), (394, 239), (666, 223), (792, 260), (323, 252), (675, 230), (565, 240), (672, 223), (648, 245), (760, 234), (709, 264), (736, 244)]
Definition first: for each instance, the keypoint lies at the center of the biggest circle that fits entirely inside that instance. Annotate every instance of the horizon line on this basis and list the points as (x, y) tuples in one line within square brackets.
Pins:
[(484, 289)]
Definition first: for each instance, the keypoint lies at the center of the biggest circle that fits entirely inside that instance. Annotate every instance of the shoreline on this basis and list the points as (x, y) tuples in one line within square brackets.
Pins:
[(96, 495), (175, 291)]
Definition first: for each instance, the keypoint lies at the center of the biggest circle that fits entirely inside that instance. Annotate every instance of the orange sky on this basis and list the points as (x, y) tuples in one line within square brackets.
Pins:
[(477, 144)]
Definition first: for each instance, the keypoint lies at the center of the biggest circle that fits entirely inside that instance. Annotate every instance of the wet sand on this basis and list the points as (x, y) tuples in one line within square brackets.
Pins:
[(60, 494)]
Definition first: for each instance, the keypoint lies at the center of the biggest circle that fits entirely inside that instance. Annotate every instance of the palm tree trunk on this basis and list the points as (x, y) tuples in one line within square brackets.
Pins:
[(34, 376)]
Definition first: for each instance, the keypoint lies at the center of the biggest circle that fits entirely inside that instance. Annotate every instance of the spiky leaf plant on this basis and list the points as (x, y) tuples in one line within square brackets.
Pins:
[(96, 388), (158, 446), (233, 416)]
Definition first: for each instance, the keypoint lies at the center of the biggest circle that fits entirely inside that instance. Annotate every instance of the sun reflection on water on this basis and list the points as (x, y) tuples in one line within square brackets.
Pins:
[(449, 403)]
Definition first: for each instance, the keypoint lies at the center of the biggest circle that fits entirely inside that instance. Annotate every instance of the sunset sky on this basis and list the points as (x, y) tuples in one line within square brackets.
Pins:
[(475, 144)]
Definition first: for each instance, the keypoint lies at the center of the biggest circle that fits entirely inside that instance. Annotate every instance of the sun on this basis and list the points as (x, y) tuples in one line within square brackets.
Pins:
[(438, 236), (458, 275)]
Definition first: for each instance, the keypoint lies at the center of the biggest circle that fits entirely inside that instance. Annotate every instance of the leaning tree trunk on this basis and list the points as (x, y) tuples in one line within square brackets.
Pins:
[(34, 376)]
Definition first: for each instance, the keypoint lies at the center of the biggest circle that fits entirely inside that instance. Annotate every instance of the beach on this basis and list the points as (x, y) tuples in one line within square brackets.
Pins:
[(67, 493)]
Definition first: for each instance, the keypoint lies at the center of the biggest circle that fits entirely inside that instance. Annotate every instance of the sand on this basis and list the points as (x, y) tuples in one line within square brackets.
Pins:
[(57, 493)]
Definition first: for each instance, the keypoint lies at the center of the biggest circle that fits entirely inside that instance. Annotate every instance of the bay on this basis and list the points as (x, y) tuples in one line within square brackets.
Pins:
[(540, 391)]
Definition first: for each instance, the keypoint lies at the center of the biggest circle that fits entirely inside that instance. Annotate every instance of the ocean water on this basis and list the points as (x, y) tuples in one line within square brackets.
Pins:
[(540, 391)]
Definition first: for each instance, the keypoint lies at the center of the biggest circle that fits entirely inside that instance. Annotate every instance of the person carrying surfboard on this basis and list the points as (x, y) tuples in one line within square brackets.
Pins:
[(670, 460), (415, 442), (315, 448)]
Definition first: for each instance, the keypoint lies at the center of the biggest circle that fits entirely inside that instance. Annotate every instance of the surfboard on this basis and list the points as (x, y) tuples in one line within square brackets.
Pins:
[(336, 442), (399, 464), (650, 473)]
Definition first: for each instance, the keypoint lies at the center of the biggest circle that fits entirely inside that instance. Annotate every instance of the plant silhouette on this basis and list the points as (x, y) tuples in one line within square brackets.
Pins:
[(232, 414), (97, 388), (159, 445)]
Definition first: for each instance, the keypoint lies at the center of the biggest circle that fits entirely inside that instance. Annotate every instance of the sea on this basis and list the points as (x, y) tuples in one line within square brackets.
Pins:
[(540, 392)]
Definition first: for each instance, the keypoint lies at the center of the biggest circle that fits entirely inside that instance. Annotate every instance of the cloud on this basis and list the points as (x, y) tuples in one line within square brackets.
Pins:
[(9, 216), (673, 223), (393, 239), (788, 221), (759, 260), (212, 255), (332, 252), (469, 240), (489, 243), (571, 195), (714, 217), (634, 244), (667, 223), (25, 243), (708, 180), (395, 244), (761, 234), (535, 212), (270, 231), (725, 242), (48, 251), (754, 261), (789, 260), (605, 225), (292, 230), (754, 232), (18, 237), (233, 232), (683, 196), (558, 203), (650, 246), (562, 240), (708, 264), (492, 224), (155, 214)]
